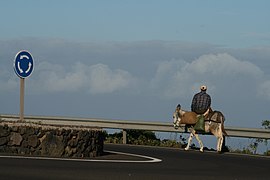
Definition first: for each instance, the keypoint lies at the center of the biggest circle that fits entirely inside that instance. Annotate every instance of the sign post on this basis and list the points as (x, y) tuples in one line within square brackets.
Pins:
[(22, 99), (23, 67)]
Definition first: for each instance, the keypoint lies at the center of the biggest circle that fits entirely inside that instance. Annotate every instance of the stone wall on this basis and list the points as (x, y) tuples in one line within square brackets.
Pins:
[(52, 141)]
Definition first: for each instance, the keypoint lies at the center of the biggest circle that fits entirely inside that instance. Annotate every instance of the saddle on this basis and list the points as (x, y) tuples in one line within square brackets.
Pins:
[(211, 115)]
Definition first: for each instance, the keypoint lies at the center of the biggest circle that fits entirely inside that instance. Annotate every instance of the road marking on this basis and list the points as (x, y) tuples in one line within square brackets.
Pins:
[(150, 159)]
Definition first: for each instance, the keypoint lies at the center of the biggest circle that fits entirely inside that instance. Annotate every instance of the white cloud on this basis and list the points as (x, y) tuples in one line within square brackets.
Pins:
[(95, 79), (173, 79), (152, 75), (55, 78), (223, 64), (178, 78), (104, 80)]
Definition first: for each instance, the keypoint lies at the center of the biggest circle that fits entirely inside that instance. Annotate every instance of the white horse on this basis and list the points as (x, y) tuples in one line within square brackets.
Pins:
[(214, 123)]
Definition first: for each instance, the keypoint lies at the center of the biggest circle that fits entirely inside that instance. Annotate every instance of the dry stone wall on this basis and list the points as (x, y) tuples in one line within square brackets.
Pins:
[(52, 141)]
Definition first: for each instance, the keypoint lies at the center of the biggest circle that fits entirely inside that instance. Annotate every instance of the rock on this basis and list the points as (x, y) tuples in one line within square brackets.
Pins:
[(32, 141), (49, 141), (30, 131), (3, 140), (23, 151), (22, 130), (15, 128), (15, 139), (4, 131), (52, 145), (70, 151), (24, 144), (73, 142)]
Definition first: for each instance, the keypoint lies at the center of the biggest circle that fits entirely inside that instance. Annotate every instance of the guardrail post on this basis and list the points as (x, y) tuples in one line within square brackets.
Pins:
[(124, 136)]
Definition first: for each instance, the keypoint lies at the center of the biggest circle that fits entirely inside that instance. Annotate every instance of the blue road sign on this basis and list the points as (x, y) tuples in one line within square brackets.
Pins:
[(23, 64)]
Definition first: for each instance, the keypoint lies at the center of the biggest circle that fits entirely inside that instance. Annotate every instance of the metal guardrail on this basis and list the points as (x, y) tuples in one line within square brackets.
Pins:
[(124, 125)]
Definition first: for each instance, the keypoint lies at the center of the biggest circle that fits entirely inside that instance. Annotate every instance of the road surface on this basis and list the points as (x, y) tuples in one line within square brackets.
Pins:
[(156, 163)]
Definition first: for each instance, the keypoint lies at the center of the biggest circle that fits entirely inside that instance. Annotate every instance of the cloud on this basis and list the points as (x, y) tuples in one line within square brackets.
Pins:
[(179, 78), (153, 75), (264, 89), (104, 80), (55, 78), (7, 81), (163, 68), (223, 64), (94, 79)]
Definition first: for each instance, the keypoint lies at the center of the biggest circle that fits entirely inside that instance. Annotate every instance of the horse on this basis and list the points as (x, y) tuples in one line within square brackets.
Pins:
[(214, 123)]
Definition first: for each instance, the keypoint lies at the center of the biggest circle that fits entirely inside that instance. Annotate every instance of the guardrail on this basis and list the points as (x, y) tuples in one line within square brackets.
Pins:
[(124, 125)]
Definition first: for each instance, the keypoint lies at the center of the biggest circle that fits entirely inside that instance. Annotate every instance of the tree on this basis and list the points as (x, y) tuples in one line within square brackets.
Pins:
[(254, 146), (143, 137), (266, 124)]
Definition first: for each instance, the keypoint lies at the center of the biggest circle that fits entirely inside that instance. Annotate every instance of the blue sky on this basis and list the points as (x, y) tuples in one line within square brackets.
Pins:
[(136, 60), (228, 23)]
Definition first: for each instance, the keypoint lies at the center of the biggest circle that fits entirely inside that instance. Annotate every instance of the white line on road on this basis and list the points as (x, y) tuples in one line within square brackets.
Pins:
[(149, 159)]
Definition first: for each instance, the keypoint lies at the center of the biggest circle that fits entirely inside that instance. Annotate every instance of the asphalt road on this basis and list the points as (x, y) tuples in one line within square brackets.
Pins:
[(175, 164)]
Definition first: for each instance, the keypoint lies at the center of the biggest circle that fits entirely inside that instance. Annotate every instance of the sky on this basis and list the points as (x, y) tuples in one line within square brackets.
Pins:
[(136, 60)]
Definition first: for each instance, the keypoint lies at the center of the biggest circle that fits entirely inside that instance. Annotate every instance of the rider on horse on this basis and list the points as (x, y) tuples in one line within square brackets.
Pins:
[(201, 103)]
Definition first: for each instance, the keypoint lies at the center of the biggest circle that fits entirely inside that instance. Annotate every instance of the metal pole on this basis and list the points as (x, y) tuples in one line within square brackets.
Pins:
[(124, 136), (22, 99)]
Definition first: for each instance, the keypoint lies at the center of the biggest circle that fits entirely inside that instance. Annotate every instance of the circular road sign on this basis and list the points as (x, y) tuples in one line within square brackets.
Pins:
[(23, 64)]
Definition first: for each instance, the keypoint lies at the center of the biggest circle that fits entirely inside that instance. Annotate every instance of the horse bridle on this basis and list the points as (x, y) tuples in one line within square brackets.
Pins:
[(177, 113)]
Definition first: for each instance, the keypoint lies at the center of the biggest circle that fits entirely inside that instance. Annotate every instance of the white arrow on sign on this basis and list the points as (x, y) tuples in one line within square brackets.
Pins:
[(23, 64), (24, 56), (29, 64), (19, 67), (29, 67)]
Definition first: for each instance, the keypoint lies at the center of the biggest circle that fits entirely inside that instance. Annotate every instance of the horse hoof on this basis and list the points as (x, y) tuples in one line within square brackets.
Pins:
[(201, 150), (186, 149)]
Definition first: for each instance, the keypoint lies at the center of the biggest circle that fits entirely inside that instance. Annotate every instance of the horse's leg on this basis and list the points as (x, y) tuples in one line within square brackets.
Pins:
[(218, 143), (199, 141), (219, 148), (217, 131), (193, 133), (220, 134), (189, 141)]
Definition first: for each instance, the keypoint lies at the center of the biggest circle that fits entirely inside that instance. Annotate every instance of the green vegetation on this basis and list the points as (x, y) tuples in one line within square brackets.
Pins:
[(266, 124), (142, 137), (253, 147)]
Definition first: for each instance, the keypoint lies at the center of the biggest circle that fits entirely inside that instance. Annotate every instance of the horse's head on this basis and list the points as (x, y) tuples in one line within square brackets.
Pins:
[(177, 117)]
